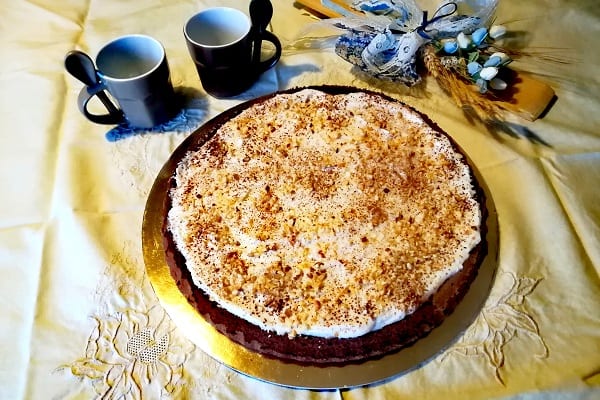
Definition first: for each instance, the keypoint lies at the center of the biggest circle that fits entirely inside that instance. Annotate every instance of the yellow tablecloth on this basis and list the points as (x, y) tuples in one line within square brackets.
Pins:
[(78, 313)]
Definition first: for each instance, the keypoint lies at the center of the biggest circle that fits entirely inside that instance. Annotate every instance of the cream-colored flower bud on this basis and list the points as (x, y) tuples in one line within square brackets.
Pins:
[(498, 84), (464, 41), (503, 57), (497, 31), (488, 73)]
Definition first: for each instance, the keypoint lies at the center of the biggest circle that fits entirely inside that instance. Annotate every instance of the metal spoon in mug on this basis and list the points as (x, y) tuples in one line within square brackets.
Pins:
[(81, 66), (261, 12)]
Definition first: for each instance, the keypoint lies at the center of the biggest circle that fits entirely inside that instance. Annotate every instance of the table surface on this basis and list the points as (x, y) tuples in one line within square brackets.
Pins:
[(79, 316)]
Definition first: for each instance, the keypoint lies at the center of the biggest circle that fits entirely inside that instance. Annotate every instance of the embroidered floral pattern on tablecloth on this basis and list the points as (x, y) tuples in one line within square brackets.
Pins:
[(133, 355), (134, 350), (139, 159), (140, 156), (503, 320)]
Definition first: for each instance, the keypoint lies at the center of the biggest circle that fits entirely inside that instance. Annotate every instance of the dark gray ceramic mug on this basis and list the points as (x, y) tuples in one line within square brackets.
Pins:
[(220, 41), (134, 70)]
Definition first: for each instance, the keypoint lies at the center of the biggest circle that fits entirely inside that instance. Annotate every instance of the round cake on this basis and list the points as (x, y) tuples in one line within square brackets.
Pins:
[(325, 228)]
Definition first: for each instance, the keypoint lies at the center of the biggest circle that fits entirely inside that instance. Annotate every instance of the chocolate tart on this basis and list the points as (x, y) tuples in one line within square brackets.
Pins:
[(256, 348)]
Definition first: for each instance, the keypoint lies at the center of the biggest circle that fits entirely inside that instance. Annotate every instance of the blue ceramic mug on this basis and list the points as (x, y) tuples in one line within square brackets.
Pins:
[(134, 70)]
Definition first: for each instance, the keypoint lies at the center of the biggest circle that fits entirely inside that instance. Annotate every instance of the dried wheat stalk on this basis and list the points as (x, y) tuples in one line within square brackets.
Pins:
[(462, 92)]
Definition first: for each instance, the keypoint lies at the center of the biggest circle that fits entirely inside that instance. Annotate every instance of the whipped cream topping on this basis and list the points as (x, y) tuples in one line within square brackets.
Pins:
[(324, 215)]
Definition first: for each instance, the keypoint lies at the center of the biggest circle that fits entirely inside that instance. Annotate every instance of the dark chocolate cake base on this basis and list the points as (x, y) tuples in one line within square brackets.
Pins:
[(311, 350), (316, 351)]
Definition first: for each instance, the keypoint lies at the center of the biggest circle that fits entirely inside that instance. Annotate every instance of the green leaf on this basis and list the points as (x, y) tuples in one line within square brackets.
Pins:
[(437, 45), (473, 56)]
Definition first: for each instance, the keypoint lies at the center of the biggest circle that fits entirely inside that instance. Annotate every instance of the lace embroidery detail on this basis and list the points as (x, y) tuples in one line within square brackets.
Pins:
[(139, 156), (146, 348), (139, 159), (132, 355), (133, 351), (502, 320)]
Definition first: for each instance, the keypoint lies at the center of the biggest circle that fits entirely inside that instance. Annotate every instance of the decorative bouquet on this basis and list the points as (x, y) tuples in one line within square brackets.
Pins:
[(459, 45)]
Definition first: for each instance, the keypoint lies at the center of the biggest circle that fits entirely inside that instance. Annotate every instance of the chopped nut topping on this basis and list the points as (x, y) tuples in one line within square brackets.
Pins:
[(324, 215)]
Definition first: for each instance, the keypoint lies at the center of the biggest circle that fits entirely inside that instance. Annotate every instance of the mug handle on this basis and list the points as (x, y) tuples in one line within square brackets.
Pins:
[(271, 61), (114, 116)]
